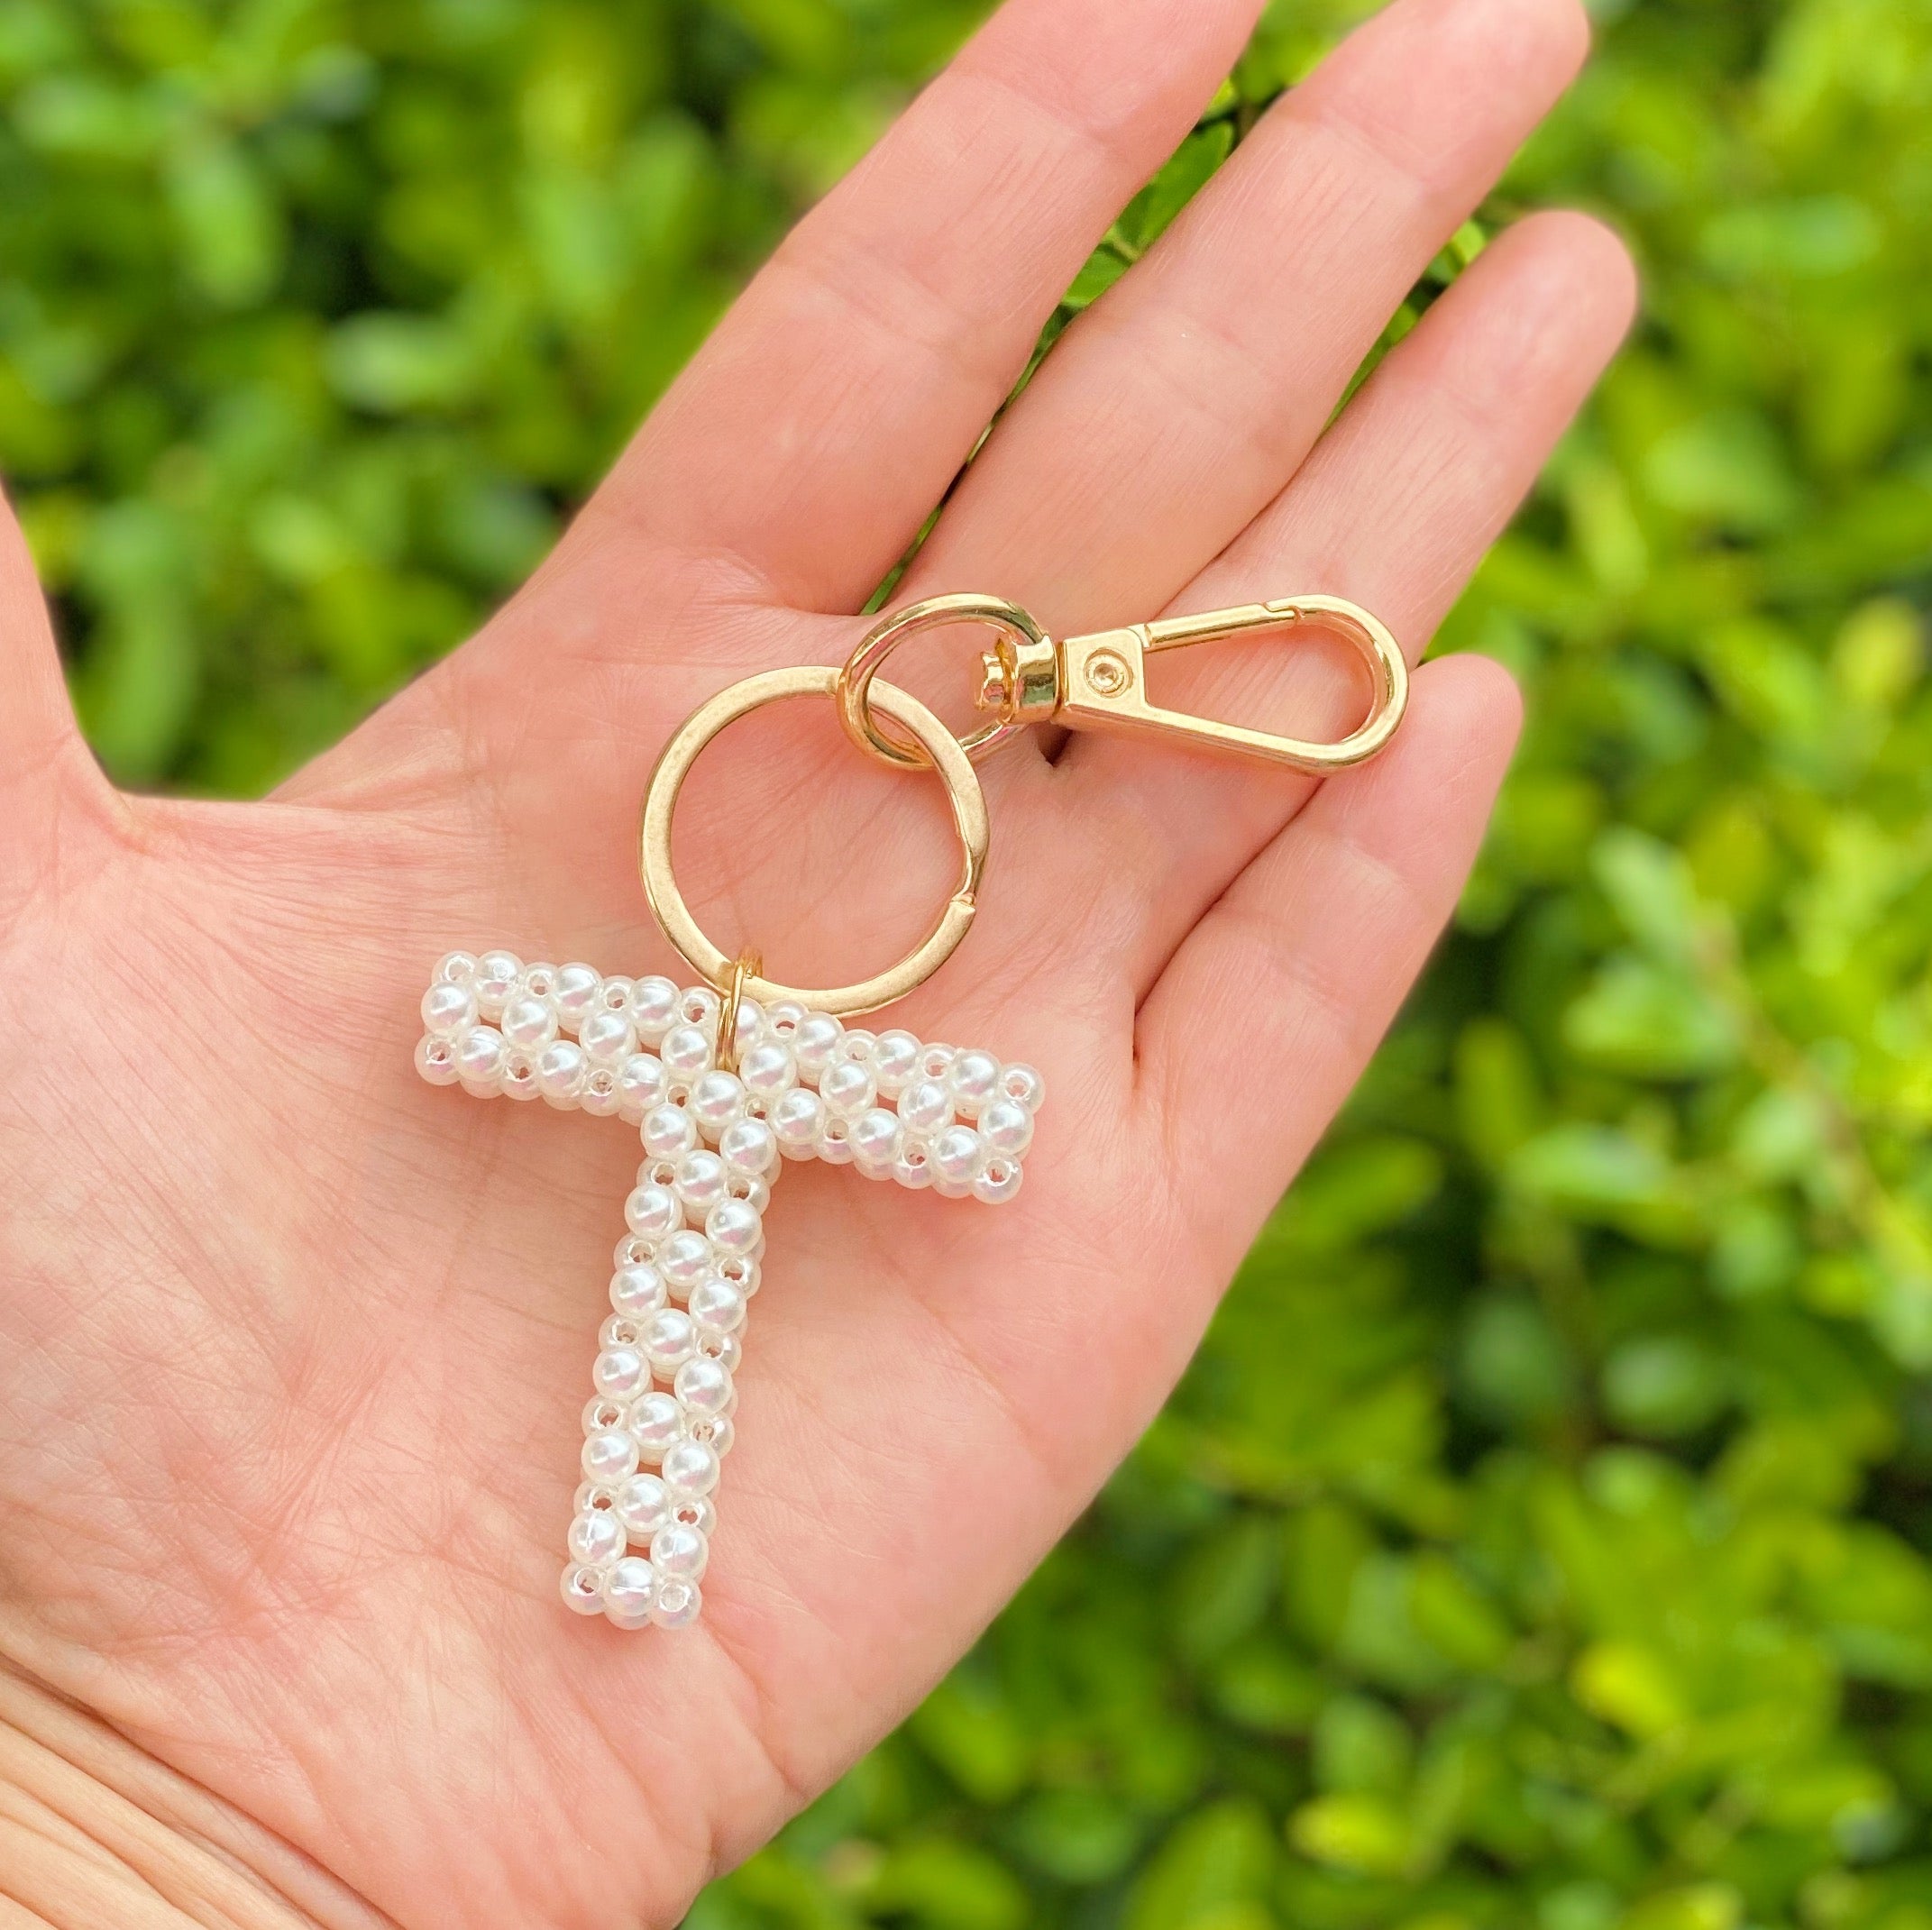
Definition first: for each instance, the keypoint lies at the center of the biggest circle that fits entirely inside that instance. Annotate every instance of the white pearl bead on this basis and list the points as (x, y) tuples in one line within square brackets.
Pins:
[(728, 1350), (519, 1074), (630, 1592), (957, 1154), (684, 1259), (848, 1088), (998, 1181), (690, 1469), (732, 1227), (656, 1419), (620, 1330), (496, 980), (435, 1060), (597, 1537), (559, 1072), (894, 1062), (700, 1183), (934, 1060), (653, 1213), (699, 1005), (716, 1304), (668, 1340), (480, 1058), (679, 1603), (742, 1270), (538, 982), (652, 1008), (448, 1009), (1007, 1127), (835, 1142), (631, 1251), (925, 1106), (876, 1136), (1023, 1085), (592, 1494), (613, 995), (973, 1079), (456, 968), (636, 1291), (704, 1387), (718, 1431), (750, 1027), (913, 1166), (756, 1194), (795, 1122), (609, 1456), (681, 1551), (716, 1098), (575, 994), (667, 1131), (583, 1590), (857, 1044), (621, 1373), (600, 1415), (686, 1051), (599, 1096), (529, 1022), (607, 1038), (783, 1019), (643, 1083), (768, 1069), (643, 1505), (749, 1146), (698, 1512), (814, 1043)]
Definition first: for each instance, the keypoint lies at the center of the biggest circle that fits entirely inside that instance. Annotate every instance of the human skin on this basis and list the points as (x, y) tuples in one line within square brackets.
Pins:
[(293, 1347)]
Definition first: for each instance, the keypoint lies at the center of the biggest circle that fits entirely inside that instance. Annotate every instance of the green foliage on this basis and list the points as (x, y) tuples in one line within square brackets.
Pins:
[(1541, 1537)]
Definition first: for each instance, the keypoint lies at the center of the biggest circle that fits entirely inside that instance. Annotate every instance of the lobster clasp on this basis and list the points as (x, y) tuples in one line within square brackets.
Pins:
[(1099, 683)]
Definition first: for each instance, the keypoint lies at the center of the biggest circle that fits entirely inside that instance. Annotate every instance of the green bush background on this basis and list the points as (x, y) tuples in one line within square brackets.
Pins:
[(1540, 1537)]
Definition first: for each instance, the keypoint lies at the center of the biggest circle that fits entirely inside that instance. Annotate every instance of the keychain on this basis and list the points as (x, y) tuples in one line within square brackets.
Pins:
[(727, 1079)]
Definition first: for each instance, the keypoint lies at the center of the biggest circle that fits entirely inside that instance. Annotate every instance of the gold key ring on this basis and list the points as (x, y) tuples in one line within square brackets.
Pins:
[(735, 975)]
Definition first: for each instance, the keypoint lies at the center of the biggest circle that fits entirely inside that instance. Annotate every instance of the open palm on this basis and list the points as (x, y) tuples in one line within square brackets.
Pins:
[(294, 1346)]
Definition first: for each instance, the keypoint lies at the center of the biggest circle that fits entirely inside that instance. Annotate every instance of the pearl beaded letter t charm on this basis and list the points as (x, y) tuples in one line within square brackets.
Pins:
[(659, 1422)]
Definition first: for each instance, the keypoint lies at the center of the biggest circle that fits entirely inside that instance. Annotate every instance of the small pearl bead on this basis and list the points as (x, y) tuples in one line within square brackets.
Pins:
[(1007, 1127), (756, 1194), (643, 1083), (559, 1072), (631, 1251), (934, 1060), (814, 1043), (698, 1512), (925, 1106), (795, 1122), (784, 1019), (857, 1044), (749, 1146), (607, 1038), (519, 1074), (621, 1373), (630, 1592), (494, 983), (538, 982), (998, 1181), (728, 1350), (609, 1456), (835, 1142), (876, 1136), (651, 1212), (668, 1130), (913, 1166), (701, 1182), (732, 1227), (435, 1060), (448, 1009), (592, 1494), (848, 1088), (613, 995), (597, 1537), (957, 1154), (1023, 1085), (643, 1505), (529, 1022), (684, 1259), (599, 1096), (583, 1590), (686, 1051), (716, 1098), (768, 1069), (690, 1469), (479, 1057), (704, 1387), (894, 1062), (973, 1079), (679, 1603), (636, 1291), (656, 1419), (456, 968), (681, 1551), (574, 995), (599, 1415), (742, 1270), (699, 1005), (716, 1304), (719, 1430), (668, 1340), (617, 1331), (652, 1008)]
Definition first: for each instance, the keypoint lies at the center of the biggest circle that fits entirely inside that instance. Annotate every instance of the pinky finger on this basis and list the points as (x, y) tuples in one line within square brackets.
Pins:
[(1264, 1019)]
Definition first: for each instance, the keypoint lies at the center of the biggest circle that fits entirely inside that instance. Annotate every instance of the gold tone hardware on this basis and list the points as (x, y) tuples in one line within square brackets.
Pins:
[(748, 967), (744, 976)]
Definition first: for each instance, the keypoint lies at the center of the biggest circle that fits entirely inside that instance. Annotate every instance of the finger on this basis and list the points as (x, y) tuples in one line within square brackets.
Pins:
[(1395, 509), (840, 397), (1178, 406), (1266, 1015)]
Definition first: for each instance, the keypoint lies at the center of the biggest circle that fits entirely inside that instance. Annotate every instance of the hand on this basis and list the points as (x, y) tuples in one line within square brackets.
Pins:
[(295, 1346)]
